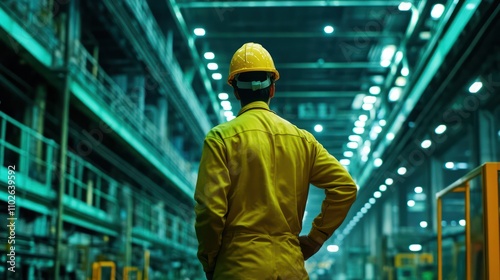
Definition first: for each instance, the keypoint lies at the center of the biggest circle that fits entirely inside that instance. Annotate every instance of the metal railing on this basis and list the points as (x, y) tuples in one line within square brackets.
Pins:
[(111, 96), (37, 18), (479, 190)]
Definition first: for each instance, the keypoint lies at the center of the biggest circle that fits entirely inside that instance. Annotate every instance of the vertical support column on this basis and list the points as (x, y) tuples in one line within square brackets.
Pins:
[(484, 137), (137, 93), (38, 124), (162, 117), (436, 184), (170, 43), (128, 225)]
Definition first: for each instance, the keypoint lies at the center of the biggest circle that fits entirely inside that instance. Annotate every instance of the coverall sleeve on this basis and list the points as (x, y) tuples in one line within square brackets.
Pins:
[(340, 190), (211, 201)]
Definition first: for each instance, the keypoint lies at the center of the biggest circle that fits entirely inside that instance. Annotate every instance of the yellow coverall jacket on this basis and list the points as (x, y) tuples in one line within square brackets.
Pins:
[(251, 194)]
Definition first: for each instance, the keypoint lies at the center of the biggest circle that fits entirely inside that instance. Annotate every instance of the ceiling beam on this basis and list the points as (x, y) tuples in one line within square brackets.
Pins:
[(316, 94), (266, 4), (358, 35)]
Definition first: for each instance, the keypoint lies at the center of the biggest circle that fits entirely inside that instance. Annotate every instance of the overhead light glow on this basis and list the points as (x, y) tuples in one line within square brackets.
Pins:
[(395, 94), (328, 29), (382, 188), (228, 114), (426, 144), (425, 35), (223, 96), (404, 6), (358, 130), (389, 181), (411, 203), (388, 52), (212, 66), (419, 189), (216, 76), (354, 138), (423, 224), (377, 129), (365, 150), (209, 55), (363, 210), (462, 222), (402, 170), (462, 165), (382, 122), (332, 248), (363, 118), (368, 205), (367, 106), (415, 247), (345, 161), (226, 105), (199, 32), (348, 153), (377, 194), (475, 87), (372, 200), (364, 158), (369, 99), (359, 123), (405, 71), (437, 11), (230, 118), (318, 128), (385, 63), (377, 162), (401, 81), (440, 129), (374, 90), (352, 145), (449, 165), (390, 136)]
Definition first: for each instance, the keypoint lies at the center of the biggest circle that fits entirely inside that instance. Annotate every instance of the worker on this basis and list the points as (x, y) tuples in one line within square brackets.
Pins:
[(253, 182)]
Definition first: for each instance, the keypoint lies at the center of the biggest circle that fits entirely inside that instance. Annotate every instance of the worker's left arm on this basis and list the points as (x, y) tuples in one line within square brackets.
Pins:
[(211, 201)]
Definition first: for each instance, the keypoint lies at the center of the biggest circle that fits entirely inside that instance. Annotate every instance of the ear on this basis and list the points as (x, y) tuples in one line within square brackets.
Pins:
[(271, 91), (236, 94)]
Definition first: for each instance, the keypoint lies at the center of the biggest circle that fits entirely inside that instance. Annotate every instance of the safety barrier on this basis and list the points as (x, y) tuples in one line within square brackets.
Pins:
[(97, 270), (479, 190), (128, 269)]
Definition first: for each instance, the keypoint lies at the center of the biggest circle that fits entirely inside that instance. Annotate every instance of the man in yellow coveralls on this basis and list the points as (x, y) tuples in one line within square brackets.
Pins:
[(253, 184)]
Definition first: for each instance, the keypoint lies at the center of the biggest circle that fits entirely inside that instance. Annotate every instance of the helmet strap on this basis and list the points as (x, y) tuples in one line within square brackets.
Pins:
[(253, 85)]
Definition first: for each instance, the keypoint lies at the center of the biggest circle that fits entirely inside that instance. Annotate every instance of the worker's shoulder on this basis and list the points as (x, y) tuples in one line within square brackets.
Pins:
[(285, 127)]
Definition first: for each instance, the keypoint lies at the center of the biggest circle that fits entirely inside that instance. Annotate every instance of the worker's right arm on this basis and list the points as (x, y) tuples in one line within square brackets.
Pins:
[(340, 190)]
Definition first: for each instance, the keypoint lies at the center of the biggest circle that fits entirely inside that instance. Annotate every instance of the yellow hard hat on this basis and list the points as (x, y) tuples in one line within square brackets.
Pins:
[(249, 58)]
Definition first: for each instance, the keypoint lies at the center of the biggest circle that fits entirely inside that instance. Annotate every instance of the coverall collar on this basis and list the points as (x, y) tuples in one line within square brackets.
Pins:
[(255, 105)]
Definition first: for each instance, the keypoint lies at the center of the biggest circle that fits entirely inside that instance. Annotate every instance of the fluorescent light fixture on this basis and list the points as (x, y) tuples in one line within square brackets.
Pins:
[(377, 129), (363, 210), (358, 130), (345, 161), (405, 71), (395, 94), (471, 6), (382, 188), (359, 123), (449, 165), (363, 118), (415, 247), (419, 189), (367, 106), (368, 205), (423, 224), (199, 32), (348, 153), (425, 35), (399, 56), (352, 145), (411, 203), (372, 200), (318, 128), (462, 165), (369, 99), (401, 81), (426, 143), (390, 136), (377, 162), (226, 105), (332, 248), (377, 194), (228, 114), (216, 76), (230, 118), (223, 96), (209, 55), (212, 66), (440, 129), (365, 150), (388, 52), (364, 158), (462, 222), (374, 90), (437, 11), (385, 63), (382, 122), (354, 138), (402, 170), (389, 181), (475, 87), (328, 29), (404, 6)]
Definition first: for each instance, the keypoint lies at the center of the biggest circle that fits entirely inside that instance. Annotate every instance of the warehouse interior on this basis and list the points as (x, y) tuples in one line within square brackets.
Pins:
[(104, 106)]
